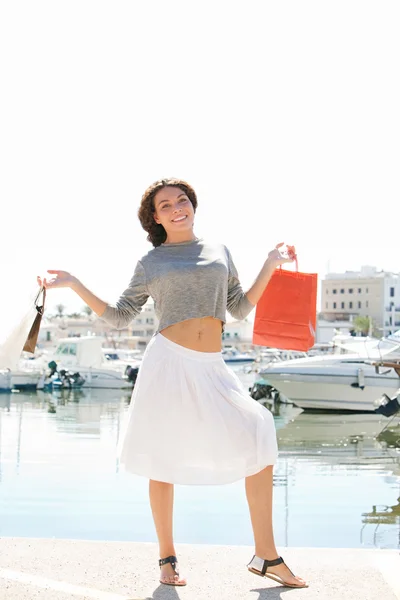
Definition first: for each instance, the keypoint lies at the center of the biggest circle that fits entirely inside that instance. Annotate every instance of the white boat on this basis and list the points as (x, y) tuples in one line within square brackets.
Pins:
[(5, 380), (15, 322), (25, 378), (85, 355), (233, 356), (344, 382), (119, 356), (333, 382)]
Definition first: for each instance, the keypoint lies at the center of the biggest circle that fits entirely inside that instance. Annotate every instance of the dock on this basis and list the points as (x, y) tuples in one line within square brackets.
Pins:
[(54, 569)]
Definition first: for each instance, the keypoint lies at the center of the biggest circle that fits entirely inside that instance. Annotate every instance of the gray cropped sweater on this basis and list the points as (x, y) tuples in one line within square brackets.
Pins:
[(186, 280)]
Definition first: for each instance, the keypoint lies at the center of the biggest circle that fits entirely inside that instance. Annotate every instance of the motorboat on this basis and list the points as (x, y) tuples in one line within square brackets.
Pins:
[(84, 355), (268, 355), (351, 381), (5, 380), (336, 382), (233, 356), (122, 355), (15, 322)]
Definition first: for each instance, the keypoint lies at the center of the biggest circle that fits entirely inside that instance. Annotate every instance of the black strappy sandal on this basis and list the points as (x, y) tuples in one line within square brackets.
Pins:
[(174, 563), (262, 571)]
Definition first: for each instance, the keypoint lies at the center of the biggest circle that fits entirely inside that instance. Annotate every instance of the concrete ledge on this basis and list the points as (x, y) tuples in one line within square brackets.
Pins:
[(68, 569)]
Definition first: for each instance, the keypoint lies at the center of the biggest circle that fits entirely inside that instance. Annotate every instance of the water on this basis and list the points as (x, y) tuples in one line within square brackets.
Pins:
[(336, 483)]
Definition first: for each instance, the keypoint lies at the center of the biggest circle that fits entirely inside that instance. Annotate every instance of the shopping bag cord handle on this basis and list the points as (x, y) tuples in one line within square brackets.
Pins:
[(296, 262)]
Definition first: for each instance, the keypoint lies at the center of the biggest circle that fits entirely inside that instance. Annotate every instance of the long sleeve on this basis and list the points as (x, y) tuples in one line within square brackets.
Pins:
[(238, 305), (130, 303)]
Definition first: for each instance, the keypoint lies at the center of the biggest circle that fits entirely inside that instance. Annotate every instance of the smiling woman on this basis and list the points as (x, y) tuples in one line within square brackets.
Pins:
[(203, 428), (166, 202)]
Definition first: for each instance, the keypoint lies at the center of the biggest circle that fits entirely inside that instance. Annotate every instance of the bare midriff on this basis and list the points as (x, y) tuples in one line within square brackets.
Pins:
[(202, 334)]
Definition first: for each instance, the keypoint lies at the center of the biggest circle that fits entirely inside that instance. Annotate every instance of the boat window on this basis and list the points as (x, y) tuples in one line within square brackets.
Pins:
[(62, 349), (354, 362), (72, 349)]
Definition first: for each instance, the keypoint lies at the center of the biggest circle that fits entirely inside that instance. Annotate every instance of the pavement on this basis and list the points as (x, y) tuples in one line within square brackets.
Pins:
[(50, 569)]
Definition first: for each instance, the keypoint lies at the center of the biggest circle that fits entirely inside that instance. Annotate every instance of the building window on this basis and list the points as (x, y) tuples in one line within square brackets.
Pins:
[(366, 290), (334, 305), (342, 291), (359, 305), (350, 290), (326, 304), (342, 304), (392, 292), (334, 291), (366, 304), (150, 321), (350, 305), (359, 290)]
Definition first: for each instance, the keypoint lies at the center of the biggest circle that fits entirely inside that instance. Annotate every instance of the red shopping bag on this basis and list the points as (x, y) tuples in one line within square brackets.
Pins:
[(286, 314)]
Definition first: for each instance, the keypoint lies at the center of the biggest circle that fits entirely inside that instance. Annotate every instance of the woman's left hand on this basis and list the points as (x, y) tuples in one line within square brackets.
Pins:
[(279, 257)]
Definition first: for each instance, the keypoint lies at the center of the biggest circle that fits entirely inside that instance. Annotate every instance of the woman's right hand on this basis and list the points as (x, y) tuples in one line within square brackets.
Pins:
[(60, 279)]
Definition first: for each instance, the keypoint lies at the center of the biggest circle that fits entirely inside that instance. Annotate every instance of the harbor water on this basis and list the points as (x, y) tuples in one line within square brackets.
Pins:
[(336, 483)]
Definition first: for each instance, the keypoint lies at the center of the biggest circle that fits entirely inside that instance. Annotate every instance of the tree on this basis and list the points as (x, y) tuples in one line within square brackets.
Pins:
[(87, 310), (362, 325), (75, 315), (60, 310)]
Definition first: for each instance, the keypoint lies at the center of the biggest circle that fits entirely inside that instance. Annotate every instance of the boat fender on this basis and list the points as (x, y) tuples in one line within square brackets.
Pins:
[(360, 383)]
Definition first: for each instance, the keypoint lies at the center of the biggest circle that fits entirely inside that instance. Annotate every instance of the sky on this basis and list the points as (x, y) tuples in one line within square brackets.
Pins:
[(284, 117)]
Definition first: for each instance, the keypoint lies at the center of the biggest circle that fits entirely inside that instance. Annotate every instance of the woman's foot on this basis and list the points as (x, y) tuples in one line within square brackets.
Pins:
[(278, 572), (169, 574)]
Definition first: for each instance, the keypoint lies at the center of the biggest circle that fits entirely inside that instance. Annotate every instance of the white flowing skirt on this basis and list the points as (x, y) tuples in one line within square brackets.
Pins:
[(191, 421)]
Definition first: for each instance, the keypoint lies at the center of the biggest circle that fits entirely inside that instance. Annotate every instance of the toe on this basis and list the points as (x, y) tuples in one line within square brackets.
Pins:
[(300, 581)]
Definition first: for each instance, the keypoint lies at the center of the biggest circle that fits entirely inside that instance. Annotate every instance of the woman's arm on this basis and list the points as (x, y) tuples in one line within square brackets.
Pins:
[(63, 279), (118, 315), (274, 260)]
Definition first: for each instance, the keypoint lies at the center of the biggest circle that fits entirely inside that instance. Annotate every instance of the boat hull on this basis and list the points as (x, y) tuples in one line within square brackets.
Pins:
[(334, 391)]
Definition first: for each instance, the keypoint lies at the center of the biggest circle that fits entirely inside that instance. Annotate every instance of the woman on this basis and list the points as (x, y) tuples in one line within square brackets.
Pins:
[(190, 420)]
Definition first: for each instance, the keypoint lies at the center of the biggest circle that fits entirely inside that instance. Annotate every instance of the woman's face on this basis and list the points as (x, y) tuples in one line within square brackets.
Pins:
[(173, 210)]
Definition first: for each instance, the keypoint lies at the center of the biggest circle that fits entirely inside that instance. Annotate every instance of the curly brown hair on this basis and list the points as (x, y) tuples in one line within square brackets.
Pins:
[(156, 233)]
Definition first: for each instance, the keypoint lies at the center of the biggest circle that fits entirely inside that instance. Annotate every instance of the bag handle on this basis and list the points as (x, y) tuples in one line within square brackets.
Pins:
[(40, 309), (296, 263)]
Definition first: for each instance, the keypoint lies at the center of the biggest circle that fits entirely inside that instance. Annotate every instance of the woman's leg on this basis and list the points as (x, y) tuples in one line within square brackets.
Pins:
[(259, 497), (162, 504)]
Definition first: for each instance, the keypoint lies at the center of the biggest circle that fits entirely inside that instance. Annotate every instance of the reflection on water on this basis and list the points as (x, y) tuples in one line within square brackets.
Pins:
[(337, 480)]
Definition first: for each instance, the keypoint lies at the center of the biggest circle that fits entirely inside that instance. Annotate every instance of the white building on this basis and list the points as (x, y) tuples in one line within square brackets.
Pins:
[(239, 334), (144, 325), (368, 292), (136, 335), (327, 329)]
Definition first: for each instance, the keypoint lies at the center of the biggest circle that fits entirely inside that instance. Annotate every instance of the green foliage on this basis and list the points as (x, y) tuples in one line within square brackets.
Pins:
[(60, 310), (362, 324)]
